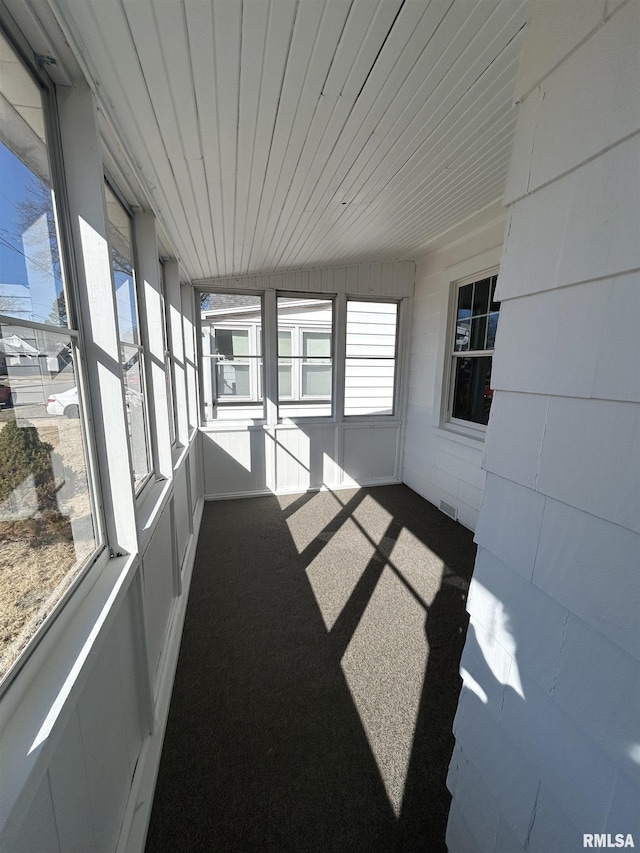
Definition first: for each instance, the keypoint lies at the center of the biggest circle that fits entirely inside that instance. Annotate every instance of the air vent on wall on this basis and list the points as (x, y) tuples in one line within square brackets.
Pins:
[(449, 510)]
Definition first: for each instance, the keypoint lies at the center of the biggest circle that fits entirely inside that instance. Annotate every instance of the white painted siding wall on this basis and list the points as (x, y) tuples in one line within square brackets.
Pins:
[(440, 463), (547, 729), (240, 459)]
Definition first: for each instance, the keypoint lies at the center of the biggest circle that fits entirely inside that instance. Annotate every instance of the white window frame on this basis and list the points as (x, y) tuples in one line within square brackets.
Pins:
[(297, 353), (169, 366), (460, 425), (256, 351), (37, 650), (143, 486), (253, 363)]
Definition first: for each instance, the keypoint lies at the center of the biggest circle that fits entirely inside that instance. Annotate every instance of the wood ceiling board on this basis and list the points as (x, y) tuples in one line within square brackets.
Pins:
[(114, 61), (227, 23), (416, 80), (411, 234), (279, 34), (255, 17), (348, 72), (199, 23), (401, 189), (423, 158), (251, 122), (402, 48), (461, 119), (177, 123), (431, 103), (302, 39), (316, 68)]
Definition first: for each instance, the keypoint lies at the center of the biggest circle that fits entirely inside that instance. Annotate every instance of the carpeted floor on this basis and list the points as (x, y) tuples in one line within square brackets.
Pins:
[(317, 679)]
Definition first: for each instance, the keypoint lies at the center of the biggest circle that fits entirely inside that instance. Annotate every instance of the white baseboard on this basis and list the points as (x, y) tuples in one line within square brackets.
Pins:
[(332, 487)]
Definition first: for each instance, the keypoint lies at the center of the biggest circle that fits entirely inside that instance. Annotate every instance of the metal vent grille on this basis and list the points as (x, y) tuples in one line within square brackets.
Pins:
[(449, 510)]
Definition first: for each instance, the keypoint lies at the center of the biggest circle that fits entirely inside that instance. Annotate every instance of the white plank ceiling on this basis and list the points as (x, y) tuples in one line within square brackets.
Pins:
[(276, 134)]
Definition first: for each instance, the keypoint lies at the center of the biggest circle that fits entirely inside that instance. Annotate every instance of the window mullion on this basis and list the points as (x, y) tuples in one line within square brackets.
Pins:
[(339, 355)]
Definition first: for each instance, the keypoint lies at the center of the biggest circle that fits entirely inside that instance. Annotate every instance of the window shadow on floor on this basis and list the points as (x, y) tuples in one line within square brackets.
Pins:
[(266, 748)]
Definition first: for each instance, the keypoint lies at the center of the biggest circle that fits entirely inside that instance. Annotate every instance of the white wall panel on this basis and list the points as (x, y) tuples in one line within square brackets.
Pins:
[(501, 762), (437, 463), (576, 122), (39, 832), (481, 812), (593, 473), (370, 453), (604, 705), (234, 461), (104, 743), (588, 222), (70, 792), (551, 39), (552, 829), (304, 457), (158, 587), (181, 510), (590, 329), (560, 753), (514, 436), (606, 557), (510, 528), (510, 611), (556, 583)]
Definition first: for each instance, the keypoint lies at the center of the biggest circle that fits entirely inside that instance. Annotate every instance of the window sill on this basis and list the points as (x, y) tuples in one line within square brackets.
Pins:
[(150, 510), (468, 436), (232, 425)]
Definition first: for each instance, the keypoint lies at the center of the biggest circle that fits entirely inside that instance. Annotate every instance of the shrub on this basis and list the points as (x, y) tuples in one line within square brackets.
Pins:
[(24, 454)]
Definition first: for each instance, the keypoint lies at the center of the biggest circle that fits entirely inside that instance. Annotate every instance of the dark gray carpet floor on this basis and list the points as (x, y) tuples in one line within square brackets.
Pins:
[(318, 677)]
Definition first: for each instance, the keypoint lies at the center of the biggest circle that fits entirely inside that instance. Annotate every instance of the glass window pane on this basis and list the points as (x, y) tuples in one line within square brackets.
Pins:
[(31, 284), (316, 380), (284, 381), (481, 297), (369, 386), (132, 370), (370, 361), (316, 345), (463, 335), (284, 343), (120, 242), (231, 367), (305, 329), (472, 393), (492, 329), (232, 343), (234, 380), (478, 330), (46, 513), (465, 295)]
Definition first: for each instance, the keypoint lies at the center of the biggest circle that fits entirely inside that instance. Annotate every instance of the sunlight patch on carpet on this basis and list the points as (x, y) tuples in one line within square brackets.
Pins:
[(385, 665)]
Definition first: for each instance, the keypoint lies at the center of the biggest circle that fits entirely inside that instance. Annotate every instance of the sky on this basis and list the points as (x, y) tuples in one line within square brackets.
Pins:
[(27, 280)]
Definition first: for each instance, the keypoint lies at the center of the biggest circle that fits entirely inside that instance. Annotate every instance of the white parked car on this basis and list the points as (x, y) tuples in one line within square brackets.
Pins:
[(64, 403)]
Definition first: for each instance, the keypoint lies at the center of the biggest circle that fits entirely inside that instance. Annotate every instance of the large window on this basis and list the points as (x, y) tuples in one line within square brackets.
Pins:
[(48, 530), (476, 321), (305, 356), (169, 367), (131, 351), (370, 366), (231, 326)]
